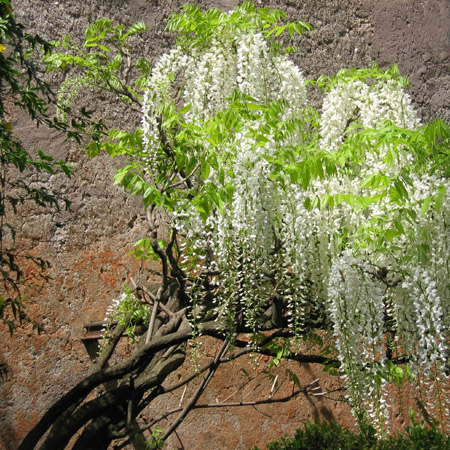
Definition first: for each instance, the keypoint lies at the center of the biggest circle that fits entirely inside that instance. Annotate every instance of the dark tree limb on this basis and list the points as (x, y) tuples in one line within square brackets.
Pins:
[(82, 389), (102, 405), (113, 340), (113, 407), (94, 436), (139, 361)]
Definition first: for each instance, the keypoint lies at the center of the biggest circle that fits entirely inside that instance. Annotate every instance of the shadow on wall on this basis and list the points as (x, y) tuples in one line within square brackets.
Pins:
[(8, 429), (319, 412)]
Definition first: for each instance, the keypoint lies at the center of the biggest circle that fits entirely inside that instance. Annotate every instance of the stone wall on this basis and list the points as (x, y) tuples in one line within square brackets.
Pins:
[(87, 245)]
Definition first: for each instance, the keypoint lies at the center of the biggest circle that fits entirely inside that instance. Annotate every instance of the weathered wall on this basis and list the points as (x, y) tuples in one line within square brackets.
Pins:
[(88, 244)]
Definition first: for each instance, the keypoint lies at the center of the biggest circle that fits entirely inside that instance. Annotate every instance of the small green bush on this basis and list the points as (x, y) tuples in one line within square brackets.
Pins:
[(320, 436)]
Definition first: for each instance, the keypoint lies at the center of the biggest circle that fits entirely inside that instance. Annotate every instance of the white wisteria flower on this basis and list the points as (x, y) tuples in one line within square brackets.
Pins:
[(349, 241)]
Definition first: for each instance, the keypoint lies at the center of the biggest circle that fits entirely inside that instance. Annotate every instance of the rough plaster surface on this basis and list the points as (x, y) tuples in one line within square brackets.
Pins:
[(87, 245)]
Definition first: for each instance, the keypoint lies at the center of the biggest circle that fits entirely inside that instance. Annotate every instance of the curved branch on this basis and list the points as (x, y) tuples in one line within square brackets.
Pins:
[(83, 388), (93, 435), (135, 362), (98, 407), (110, 346), (115, 401)]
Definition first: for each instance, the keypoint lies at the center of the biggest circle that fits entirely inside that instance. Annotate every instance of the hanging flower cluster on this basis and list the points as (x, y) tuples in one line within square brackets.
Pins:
[(355, 100), (338, 219), (357, 312)]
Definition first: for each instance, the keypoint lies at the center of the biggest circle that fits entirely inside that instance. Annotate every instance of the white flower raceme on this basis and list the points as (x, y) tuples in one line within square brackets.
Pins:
[(113, 306), (368, 105), (357, 313)]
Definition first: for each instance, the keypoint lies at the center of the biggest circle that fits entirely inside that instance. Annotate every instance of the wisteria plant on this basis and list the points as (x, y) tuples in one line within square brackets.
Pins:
[(284, 221)]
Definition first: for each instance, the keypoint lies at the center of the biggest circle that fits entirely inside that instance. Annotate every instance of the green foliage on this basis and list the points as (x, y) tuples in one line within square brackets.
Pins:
[(155, 443), (320, 436), (20, 83), (195, 27), (371, 74), (430, 146), (102, 59), (280, 348), (423, 436), (129, 312), (396, 374)]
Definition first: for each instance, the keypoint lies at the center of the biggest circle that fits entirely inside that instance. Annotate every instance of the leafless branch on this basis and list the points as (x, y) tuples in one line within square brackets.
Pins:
[(110, 346), (157, 299), (273, 386), (182, 396), (152, 321), (193, 400), (306, 390)]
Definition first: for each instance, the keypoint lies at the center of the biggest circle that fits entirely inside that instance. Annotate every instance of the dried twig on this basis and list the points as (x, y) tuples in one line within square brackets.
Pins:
[(273, 386), (182, 396)]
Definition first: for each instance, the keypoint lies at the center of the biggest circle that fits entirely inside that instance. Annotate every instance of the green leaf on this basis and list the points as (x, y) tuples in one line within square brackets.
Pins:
[(399, 226), (135, 28), (45, 157), (394, 195), (326, 200), (426, 205), (293, 377), (221, 176), (313, 338), (291, 29), (318, 168), (411, 213), (300, 27), (245, 373), (206, 168), (307, 204), (254, 106), (180, 160), (203, 207), (400, 187), (191, 165), (186, 108), (93, 149), (137, 187), (442, 190), (390, 234), (150, 196)]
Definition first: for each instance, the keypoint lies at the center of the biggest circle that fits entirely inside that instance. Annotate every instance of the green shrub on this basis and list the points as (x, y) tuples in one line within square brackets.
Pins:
[(319, 436)]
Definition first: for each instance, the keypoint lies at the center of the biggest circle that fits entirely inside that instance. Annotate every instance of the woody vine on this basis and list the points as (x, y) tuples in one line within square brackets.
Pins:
[(285, 221)]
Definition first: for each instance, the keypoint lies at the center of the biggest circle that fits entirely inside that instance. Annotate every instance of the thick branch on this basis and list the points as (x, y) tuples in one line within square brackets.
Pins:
[(110, 346), (59, 437), (116, 402), (83, 388), (155, 246)]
